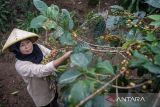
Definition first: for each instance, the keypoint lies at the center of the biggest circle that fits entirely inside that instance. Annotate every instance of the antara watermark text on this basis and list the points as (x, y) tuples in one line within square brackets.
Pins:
[(131, 99)]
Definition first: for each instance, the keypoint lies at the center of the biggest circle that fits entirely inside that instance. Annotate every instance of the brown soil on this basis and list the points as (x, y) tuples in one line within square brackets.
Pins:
[(10, 81)]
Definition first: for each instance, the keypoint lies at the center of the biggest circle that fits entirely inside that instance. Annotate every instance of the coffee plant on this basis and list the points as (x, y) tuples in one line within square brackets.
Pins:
[(139, 5), (88, 76)]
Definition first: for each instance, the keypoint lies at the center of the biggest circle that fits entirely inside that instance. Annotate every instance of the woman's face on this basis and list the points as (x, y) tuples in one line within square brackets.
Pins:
[(26, 46)]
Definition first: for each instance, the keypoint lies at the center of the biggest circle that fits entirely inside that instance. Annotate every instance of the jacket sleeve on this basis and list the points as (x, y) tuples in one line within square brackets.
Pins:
[(45, 50), (29, 69)]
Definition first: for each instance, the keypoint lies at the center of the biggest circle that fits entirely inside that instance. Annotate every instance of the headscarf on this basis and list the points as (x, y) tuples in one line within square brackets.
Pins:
[(36, 56)]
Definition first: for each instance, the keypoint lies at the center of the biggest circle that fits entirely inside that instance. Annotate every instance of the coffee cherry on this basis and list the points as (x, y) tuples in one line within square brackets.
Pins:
[(144, 87), (132, 84), (149, 82)]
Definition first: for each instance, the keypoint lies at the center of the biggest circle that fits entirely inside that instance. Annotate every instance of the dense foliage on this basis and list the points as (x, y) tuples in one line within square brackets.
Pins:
[(136, 34)]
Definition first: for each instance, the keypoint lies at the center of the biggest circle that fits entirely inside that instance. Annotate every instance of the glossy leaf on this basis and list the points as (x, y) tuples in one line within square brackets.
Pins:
[(81, 90), (152, 68), (69, 77), (154, 17), (156, 23)]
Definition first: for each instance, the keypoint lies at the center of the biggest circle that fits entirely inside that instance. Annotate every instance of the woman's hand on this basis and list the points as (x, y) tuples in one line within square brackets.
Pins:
[(60, 60), (67, 54), (54, 52)]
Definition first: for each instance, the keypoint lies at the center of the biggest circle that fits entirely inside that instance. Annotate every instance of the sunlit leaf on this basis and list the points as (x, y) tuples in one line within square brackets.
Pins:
[(154, 17), (40, 5)]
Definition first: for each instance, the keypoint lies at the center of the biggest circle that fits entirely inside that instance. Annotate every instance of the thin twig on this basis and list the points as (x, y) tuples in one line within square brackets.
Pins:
[(98, 91), (123, 56), (46, 36), (156, 101), (79, 39), (107, 50), (129, 87), (116, 88)]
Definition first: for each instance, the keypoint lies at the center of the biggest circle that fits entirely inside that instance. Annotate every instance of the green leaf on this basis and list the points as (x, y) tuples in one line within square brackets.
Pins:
[(127, 44), (66, 20), (79, 59), (37, 22), (81, 47), (58, 32), (91, 72), (138, 59), (105, 67), (152, 68), (154, 49), (69, 76), (81, 90), (139, 56), (154, 3), (156, 23), (112, 22), (50, 24), (66, 39), (55, 12), (99, 101), (150, 37), (136, 63), (52, 12), (40, 5), (88, 55), (154, 17), (157, 59)]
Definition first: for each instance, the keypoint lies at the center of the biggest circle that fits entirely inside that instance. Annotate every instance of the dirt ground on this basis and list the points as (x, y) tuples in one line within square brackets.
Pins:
[(11, 82)]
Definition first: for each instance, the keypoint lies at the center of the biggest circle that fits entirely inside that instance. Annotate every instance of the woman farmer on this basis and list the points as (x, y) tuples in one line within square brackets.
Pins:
[(28, 64)]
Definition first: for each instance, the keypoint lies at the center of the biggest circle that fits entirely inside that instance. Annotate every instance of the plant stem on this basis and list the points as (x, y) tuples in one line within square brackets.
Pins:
[(46, 36), (156, 101), (98, 91), (129, 87)]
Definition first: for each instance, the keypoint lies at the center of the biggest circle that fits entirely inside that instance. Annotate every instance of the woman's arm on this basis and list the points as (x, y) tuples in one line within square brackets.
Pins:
[(60, 60), (29, 69)]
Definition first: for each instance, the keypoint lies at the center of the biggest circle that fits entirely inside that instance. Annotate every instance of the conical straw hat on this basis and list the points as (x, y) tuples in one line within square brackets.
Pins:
[(18, 35)]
